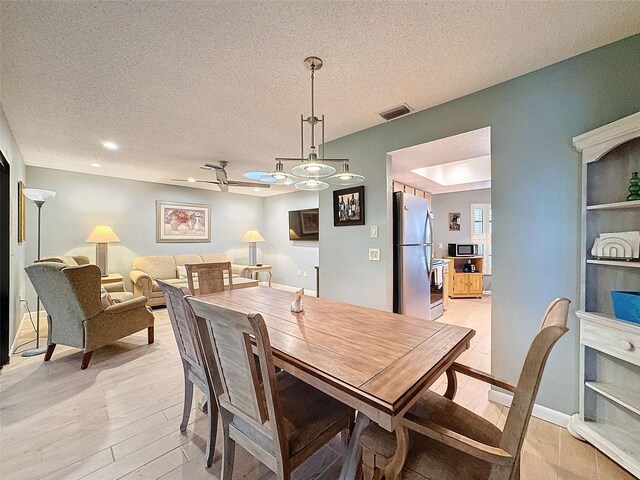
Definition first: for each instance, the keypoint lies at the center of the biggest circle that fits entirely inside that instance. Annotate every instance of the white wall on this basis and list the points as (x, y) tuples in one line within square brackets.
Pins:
[(445, 203), (288, 257), (83, 201), (17, 251)]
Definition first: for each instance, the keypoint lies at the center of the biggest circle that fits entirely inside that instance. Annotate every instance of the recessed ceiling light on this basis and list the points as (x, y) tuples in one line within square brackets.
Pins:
[(256, 189), (192, 180), (110, 145), (471, 170), (96, 165)]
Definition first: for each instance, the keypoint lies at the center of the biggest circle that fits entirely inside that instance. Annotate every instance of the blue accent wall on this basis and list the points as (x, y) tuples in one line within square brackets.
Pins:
[(535, 199)]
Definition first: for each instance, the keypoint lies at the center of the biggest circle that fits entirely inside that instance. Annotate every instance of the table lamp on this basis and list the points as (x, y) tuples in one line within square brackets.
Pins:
[(252, 237), (102, 235), (38, 197)]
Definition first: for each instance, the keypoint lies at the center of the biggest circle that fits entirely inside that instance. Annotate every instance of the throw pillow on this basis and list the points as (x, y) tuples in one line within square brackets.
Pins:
[(181, 271), (105, 298)]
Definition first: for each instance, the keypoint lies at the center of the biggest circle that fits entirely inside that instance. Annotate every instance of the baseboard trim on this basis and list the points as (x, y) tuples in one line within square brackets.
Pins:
[(543, 413), (288, 288)]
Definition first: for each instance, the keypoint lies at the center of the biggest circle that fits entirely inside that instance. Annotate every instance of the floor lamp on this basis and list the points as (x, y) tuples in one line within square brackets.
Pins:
[(38, 197)]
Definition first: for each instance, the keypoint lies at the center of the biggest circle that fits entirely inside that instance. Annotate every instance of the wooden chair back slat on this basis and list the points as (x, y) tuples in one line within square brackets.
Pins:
[(183, 330), (226, 335), (210, 277), (553, 326)]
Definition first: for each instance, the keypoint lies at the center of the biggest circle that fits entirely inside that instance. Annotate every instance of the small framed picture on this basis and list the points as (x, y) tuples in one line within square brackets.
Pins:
[(183, 222), (454, 222), (348, 207), (309, 222)]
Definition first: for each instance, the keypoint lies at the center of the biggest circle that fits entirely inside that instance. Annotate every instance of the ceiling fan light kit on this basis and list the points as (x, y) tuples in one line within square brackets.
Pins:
[(311, 171)]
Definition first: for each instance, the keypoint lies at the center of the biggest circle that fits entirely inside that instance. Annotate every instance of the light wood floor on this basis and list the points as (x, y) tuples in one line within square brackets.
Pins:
[(119, 418)]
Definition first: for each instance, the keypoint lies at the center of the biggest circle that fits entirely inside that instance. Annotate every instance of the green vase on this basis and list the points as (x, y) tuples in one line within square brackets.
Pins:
[(634, 188)]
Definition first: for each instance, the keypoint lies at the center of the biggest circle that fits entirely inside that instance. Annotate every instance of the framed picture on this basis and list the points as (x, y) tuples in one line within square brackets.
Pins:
[(454, 222), (348, 207), (22, 214), (183, 222), (309, 222)]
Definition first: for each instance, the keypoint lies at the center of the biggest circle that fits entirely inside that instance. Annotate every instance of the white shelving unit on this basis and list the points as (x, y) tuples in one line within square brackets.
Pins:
[(609, 416), (615, 206)]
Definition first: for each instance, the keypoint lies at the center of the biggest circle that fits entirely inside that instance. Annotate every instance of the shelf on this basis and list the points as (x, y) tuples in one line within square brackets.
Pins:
[(627, 399), (615, 263), (615, 206)]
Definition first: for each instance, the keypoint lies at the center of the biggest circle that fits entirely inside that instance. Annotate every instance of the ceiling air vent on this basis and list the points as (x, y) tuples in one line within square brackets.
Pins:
[(395, 112)]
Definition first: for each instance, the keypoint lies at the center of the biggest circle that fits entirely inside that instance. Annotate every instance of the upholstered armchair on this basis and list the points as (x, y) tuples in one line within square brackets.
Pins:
[(75, 313)]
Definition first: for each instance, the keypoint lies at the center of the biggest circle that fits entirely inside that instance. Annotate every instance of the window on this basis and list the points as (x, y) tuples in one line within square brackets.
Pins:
[(481, 232)]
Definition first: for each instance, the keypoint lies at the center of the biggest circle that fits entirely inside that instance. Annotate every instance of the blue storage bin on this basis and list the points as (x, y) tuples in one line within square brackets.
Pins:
[(626, 305)]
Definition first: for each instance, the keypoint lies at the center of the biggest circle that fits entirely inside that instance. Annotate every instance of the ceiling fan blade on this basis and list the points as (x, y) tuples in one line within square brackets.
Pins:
[(235, 183), (211, 166), (194, 181)]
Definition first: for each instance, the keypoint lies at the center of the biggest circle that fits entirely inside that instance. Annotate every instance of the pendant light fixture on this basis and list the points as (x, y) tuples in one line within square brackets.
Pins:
[(345, 177), (312, 169)]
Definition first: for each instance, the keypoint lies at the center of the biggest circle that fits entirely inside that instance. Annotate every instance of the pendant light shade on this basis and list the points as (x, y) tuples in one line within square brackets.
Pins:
[(313, 183), (345, 177), (313, 168), (279, 176)]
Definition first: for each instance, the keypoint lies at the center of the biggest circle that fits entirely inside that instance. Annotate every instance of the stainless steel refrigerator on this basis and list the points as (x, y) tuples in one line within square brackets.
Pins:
[(413, 258)]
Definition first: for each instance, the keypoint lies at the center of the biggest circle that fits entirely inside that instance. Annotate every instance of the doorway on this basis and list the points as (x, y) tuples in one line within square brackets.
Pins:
[(5, 241), (453, 176)]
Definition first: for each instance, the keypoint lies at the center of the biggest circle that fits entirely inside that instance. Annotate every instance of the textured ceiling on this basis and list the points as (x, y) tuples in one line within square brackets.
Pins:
[(179, 83), (470, 145)]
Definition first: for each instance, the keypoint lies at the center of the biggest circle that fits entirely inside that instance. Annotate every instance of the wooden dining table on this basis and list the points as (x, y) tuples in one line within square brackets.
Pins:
[(377, 362)]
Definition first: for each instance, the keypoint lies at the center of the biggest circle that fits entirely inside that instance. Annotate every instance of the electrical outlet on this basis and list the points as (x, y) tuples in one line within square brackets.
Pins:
[(374, 254), (374, 231), (441, 245), (298, 272), (304, 274)]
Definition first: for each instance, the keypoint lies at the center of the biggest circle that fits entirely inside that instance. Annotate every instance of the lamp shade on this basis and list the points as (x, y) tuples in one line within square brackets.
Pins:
[(102, 234), (38, 195), (252, 236)]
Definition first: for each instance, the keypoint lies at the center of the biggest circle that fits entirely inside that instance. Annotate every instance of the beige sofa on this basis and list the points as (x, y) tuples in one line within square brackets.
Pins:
[(165, 267)]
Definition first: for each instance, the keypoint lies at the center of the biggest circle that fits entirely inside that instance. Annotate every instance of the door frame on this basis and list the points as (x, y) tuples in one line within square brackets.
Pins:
[(5, 257)]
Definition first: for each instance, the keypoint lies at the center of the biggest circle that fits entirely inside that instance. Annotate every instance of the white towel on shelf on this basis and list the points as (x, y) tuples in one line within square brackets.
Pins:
[(437, 271)]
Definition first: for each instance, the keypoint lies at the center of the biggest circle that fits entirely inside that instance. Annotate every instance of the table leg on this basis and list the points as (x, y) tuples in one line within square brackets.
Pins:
[(269, 278), (394, 467), (353, 454)]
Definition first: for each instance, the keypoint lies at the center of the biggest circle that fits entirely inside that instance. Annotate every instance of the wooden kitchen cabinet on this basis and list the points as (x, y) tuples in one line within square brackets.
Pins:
[(465, 284)]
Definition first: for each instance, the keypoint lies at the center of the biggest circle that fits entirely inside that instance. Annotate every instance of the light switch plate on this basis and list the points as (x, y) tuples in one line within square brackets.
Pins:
[(374, 231), (374, 254)]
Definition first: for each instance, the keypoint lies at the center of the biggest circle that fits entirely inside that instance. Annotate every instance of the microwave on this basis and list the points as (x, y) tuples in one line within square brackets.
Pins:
[(463, 250)]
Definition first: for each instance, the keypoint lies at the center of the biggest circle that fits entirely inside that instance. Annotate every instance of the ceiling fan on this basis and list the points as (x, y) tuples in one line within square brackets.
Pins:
[(221, 178)]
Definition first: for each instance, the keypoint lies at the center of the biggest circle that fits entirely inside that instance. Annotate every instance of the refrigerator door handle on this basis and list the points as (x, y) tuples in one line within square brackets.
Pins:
[(428, 260)]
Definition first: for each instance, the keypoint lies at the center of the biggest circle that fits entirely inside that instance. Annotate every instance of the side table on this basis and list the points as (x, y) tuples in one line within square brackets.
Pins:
[(252, 271), (111, 278)]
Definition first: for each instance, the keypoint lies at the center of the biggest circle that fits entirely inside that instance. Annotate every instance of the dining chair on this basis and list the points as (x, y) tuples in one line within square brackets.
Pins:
[(192, 363), (445, 441), (280, 420), (210, 277)]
